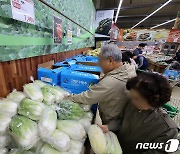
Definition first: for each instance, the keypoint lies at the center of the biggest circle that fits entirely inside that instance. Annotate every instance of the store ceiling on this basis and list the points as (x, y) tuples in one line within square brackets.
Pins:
[(133, 11)]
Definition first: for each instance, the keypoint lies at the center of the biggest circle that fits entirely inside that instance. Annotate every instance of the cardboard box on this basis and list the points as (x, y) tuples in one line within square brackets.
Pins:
[(77, 80), (66, 63), (49, 75), (85, 68)]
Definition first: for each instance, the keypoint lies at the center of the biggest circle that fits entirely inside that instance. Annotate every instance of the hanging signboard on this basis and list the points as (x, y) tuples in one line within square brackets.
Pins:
[(57, 30), (159, 35), (103, 22), (69, 36), (23, 10), (114, 33)]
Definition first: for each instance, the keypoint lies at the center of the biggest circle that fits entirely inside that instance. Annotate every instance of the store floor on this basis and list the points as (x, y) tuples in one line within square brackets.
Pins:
[(175, 101)]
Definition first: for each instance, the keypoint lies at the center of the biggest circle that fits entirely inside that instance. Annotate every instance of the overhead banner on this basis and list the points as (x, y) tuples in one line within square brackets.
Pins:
[(103, 24), (160, 35), (23, 10)]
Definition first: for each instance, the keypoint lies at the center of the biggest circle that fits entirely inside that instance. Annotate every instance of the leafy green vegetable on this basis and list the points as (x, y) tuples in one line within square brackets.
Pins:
[(97, 139), (59, 140), (49, 97), (40, 83), (86, 123), (68, 110), (3, 150), (8, 108), (47, 122), (24, 132), (89, 115), (4, 121), (4, 140), (113, 146), (76, 147), (47, 149), (33, 92), (72, 128), (59, 96), (30, 109), (19, 151), (16, 96)]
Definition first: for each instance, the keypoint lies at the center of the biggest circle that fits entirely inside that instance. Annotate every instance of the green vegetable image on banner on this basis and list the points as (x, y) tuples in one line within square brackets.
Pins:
[(20, 40)]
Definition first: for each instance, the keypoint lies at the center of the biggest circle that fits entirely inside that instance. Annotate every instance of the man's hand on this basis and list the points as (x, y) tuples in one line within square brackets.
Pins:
[(104, 128)]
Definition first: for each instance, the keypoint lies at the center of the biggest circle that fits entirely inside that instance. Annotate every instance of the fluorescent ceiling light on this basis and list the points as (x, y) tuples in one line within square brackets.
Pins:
[(152, 13), (163, 23), (119, 7)]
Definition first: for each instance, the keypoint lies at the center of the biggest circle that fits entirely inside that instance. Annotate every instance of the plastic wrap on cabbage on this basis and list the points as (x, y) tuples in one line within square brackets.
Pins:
[(64, 92), (58, 140), (97, 139), (48, 97), (58, 94), (24, 132), (68, 110), (8, 108), (33, 92), (76, 147), (3, 150), (40, 83), (85, 108), (47, 122), (72, 128), (30, 109), (35, 149), (19, 151), (4, 121), (4, 140), (85, 122), (47, 149), (16, 96), (89, 115), (113, 146)]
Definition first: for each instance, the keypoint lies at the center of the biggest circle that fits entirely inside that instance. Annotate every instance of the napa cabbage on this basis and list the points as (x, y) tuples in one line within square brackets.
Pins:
[(47, 122), (72, 128), (30, 109), (24, 132), (33, 92)]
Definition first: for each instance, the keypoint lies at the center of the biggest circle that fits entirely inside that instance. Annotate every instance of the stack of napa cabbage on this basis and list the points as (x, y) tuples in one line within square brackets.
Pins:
[(39, 121)]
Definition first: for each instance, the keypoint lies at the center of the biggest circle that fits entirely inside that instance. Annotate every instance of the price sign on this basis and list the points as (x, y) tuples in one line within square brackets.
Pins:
[(23, 10)]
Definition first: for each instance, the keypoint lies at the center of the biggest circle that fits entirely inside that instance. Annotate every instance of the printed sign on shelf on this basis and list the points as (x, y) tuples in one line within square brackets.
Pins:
[(23, 10), (57, 30), (69, 36)]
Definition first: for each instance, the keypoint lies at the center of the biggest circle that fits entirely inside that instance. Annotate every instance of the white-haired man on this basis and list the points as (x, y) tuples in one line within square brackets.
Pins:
[(110, 92)]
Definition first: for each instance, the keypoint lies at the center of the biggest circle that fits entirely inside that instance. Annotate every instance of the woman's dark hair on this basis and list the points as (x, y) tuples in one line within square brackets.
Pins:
[(142, 45), (125, 58), (129, 54), (153, 87)]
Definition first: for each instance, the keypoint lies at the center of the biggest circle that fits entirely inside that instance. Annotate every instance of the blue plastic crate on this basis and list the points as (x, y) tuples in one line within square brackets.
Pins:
[(171, 74)]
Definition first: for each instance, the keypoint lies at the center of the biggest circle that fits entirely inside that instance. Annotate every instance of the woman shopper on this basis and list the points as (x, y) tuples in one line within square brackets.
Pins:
[(143, 123)]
